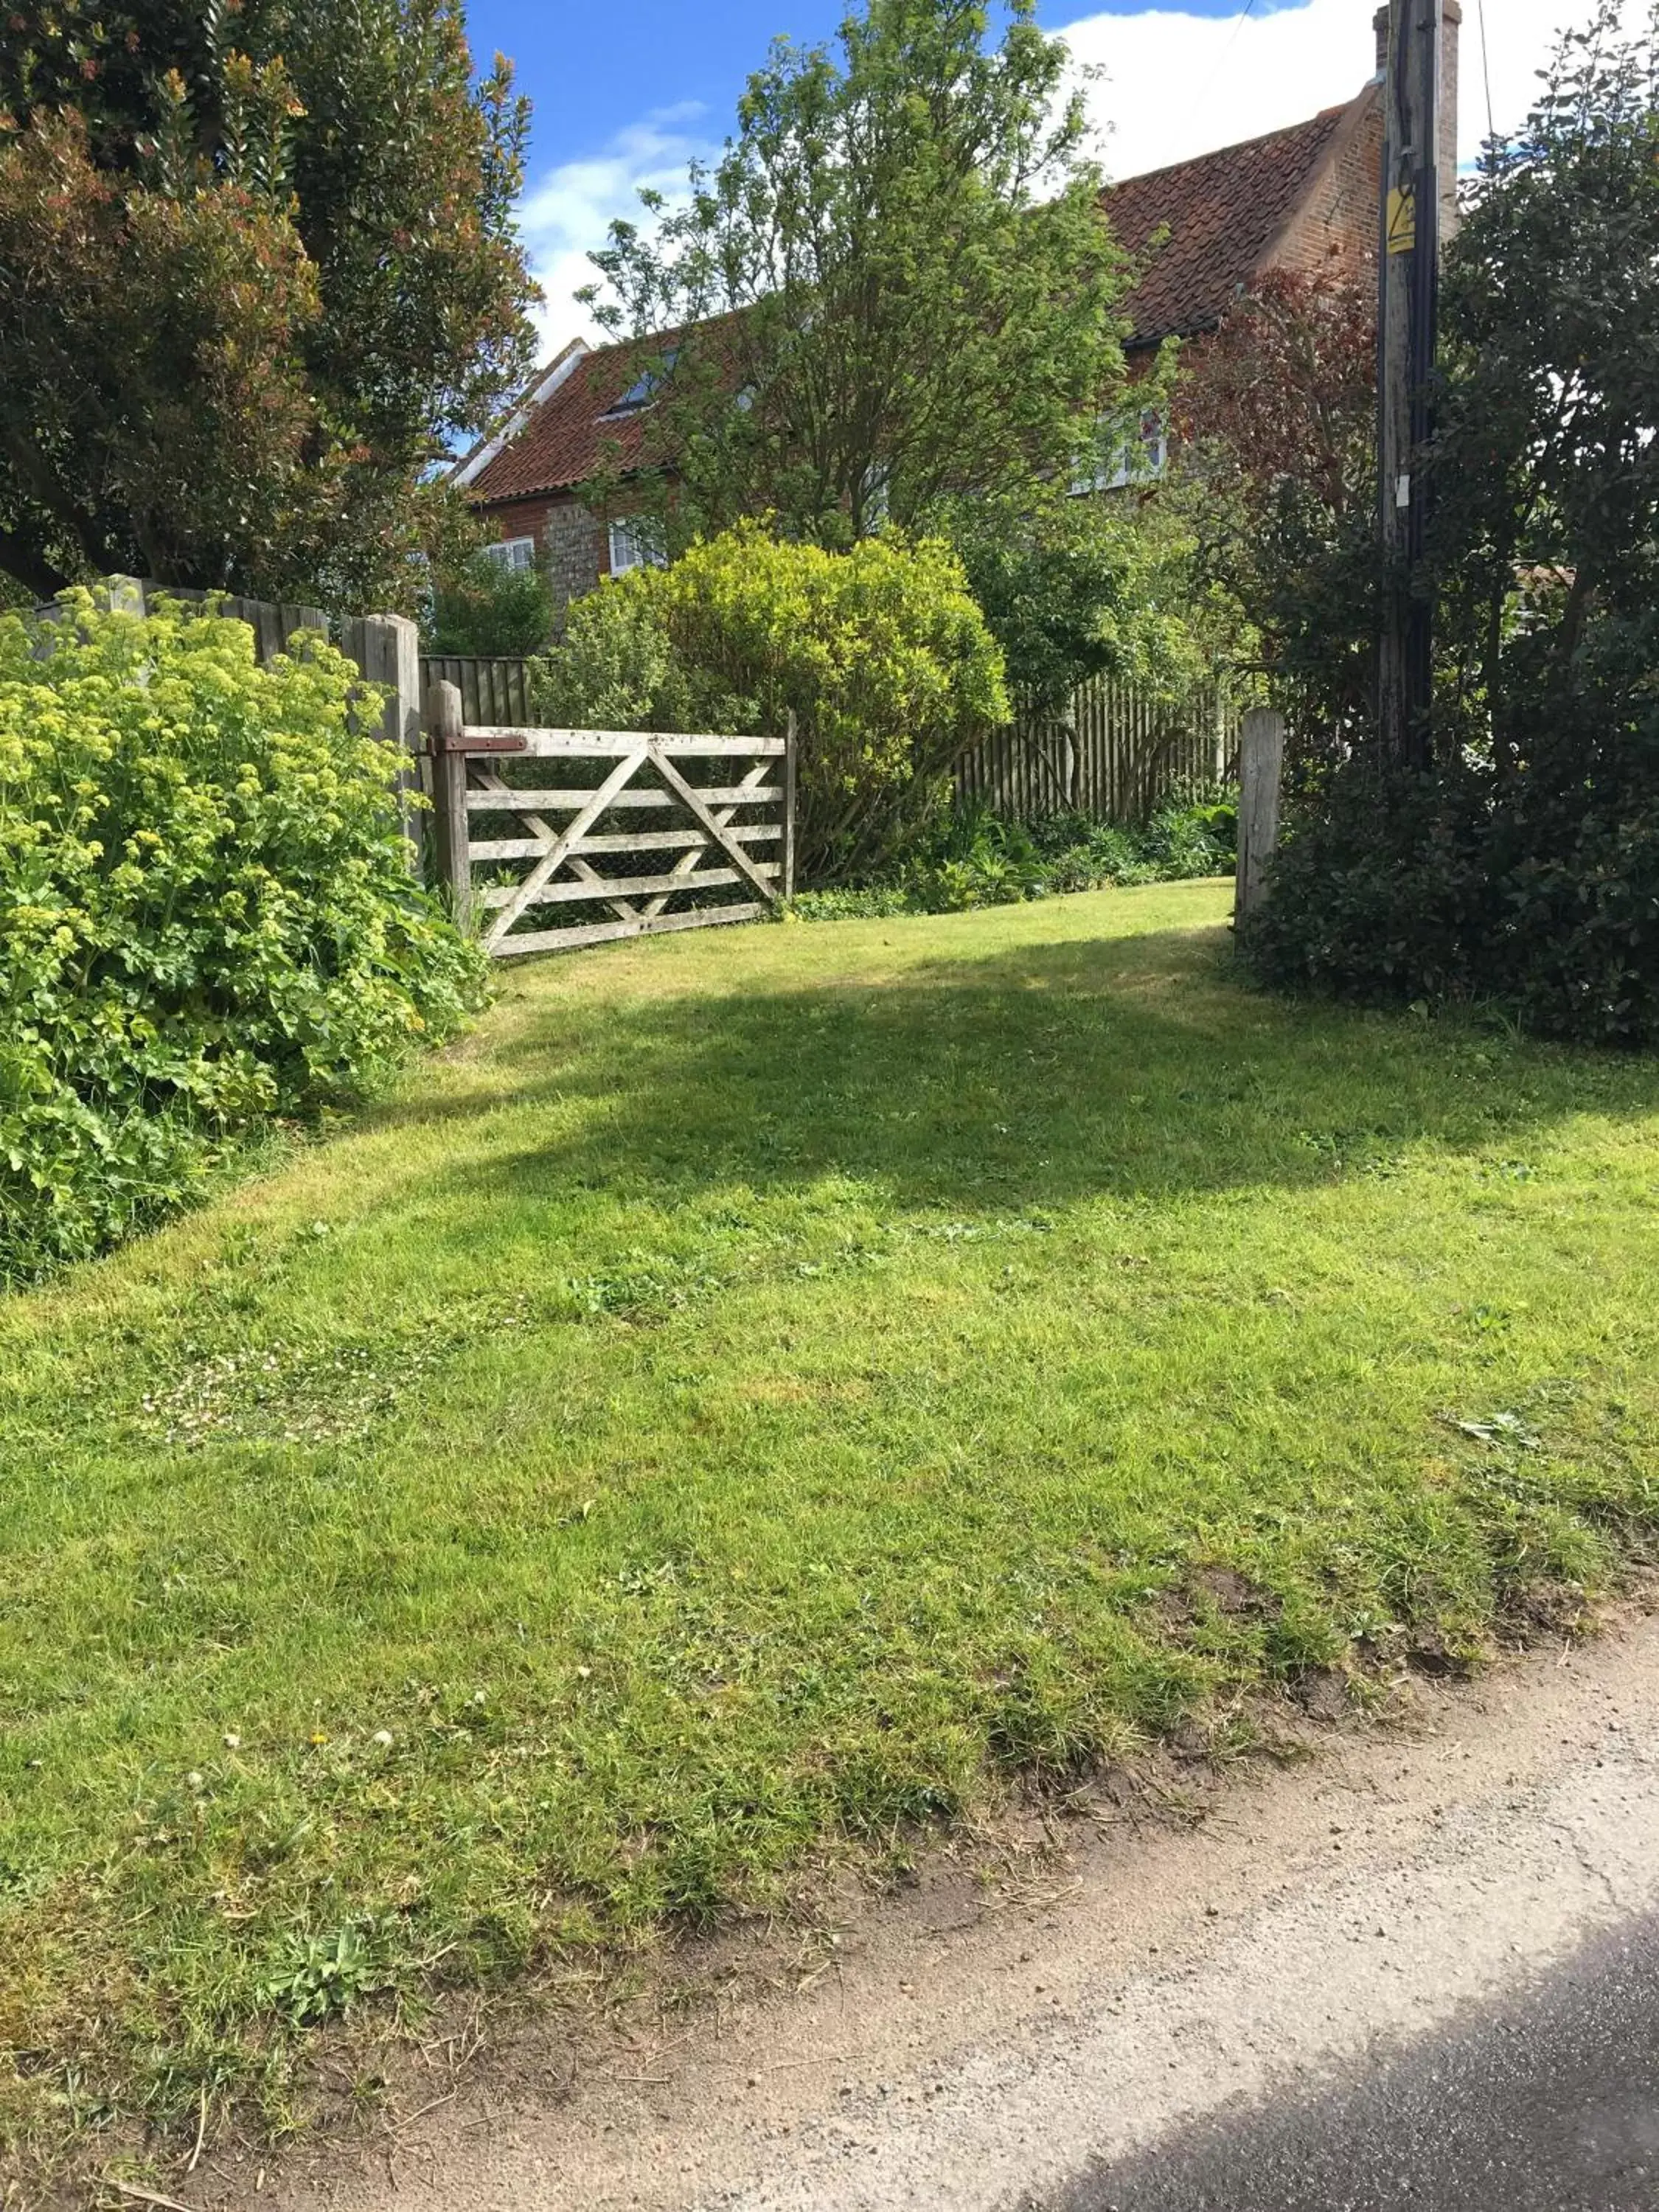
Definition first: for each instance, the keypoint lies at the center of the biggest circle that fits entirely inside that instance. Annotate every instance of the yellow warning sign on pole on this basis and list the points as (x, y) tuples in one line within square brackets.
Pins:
[(1402, 221)]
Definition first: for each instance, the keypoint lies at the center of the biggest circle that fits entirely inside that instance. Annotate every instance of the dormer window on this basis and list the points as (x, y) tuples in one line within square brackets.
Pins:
[(641, 392)]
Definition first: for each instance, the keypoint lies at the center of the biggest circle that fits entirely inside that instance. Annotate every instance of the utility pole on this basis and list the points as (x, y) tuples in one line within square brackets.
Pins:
[(1407, 290)]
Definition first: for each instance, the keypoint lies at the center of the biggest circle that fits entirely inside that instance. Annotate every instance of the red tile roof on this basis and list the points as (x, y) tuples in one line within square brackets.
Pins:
[(567, 438), (1223, 212)]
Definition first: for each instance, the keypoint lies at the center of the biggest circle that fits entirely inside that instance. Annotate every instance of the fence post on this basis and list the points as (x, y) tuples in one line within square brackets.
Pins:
[(1220, 717), (387, 649), (443, 727), (789, 807), (1260, 763)]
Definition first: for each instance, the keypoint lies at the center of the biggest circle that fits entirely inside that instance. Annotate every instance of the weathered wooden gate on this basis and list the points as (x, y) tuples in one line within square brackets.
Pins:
[(512, 841)]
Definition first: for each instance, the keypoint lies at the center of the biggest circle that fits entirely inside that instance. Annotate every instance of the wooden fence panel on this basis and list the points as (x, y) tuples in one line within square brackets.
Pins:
[(494, 687), (513, 843), (1122, 753)]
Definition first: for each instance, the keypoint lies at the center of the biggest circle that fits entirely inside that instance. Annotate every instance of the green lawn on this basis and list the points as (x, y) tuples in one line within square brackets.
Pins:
[(760, 1386)]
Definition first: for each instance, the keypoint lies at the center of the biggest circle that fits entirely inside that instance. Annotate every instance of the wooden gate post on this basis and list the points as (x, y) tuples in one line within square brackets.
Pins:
[(788, 856), (387, 648), (1260, 764), (454, 857)]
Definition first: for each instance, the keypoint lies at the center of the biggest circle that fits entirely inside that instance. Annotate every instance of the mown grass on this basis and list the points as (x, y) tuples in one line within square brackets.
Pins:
[(761, 1387)]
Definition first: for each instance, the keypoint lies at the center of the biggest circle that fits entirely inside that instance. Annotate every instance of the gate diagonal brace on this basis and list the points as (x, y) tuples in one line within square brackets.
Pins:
[(539, 826), (723, 815), (676, 783), (556, 854)]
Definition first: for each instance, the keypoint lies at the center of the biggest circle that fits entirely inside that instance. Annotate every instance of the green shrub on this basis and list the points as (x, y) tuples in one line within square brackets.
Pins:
[(206, 917), (1194, 832), (616, 669), (975, 858), (1542, 900), (484, 607), (880, 653)]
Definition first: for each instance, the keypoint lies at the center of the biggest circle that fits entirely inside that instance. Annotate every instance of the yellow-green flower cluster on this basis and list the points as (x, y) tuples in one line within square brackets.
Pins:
[(206, 915)]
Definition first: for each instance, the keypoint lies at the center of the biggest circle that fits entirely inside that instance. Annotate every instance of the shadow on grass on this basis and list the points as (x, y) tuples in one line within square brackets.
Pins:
[(1142, 1068)]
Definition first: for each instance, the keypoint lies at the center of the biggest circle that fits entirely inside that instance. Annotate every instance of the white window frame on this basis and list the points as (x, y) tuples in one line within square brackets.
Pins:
[(1152, 439), (628, 549), (1141, 458), (512, 553)]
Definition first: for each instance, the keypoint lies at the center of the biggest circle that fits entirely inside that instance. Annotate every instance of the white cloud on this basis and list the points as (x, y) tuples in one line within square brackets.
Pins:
[(566, 212), (1178, 85), (1174, 85)]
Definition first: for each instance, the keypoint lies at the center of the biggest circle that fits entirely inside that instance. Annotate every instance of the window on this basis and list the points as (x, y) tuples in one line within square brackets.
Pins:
[(512, 554), (632, 546), (1138, 460), (1153, 449), (642, 391)]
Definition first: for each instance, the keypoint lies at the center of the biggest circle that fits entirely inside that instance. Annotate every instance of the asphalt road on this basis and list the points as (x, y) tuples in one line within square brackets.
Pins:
[(1549, 2105)]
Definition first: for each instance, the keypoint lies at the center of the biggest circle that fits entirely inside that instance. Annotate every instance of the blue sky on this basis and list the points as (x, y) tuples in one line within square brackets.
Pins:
[(594, 69), (626, 96)]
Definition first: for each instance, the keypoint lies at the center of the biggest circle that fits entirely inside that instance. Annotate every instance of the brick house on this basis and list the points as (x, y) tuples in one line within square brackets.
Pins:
[(1304, 197)]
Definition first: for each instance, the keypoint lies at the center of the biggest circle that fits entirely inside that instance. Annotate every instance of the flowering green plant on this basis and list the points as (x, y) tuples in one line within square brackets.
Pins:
[(206, 914)]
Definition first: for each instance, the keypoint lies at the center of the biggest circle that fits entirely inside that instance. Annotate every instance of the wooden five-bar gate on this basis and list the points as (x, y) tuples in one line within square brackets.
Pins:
[(521, 817)]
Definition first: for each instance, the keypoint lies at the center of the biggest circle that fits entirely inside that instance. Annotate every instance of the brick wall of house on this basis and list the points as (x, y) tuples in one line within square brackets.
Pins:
[(573, 542), (1336, 232)]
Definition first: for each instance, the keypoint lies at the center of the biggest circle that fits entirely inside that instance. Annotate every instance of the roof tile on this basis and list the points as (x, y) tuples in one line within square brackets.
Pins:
[(1223, 210)]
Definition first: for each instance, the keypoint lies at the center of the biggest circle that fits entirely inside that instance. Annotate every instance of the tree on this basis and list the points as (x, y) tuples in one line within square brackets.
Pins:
[(1273, 439), (1077, 587), (1545, 466), (1522, 864), (257, 273), (912, 286)]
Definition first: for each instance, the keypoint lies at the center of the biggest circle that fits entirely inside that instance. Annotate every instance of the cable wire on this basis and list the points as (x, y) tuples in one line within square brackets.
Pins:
[(1221, 59), (1486, 72)]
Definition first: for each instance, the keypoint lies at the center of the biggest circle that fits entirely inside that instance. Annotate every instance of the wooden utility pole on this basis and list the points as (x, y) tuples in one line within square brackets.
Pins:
[(1408, 289)]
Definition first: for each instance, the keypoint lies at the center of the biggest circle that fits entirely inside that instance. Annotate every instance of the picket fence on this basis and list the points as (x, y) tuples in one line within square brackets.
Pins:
[(1123, 752)]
